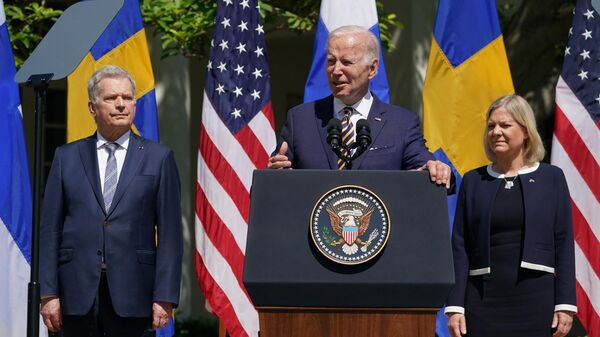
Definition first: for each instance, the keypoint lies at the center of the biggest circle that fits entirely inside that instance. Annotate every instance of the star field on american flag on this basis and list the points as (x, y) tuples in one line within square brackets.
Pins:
[(581, 68), (239, 83)]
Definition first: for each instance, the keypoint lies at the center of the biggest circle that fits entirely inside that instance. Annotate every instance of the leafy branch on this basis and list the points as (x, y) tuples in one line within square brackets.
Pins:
[(27, 23), (387, 22), (185, 27), (328, 237)]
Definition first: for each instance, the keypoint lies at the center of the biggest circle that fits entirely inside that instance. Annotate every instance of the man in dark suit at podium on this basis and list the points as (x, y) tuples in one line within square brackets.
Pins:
[(111, 231), (397, 141)]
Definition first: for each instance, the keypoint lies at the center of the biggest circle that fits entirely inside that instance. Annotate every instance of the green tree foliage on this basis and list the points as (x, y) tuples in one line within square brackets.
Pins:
[(535, 36), (185, 26), (28, 21)]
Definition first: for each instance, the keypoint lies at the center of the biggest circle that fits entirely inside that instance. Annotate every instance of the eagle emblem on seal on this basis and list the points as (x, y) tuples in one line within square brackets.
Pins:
[(350, 225)]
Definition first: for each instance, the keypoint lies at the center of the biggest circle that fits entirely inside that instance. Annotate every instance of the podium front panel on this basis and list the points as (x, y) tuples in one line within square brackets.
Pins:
[(284, 268)]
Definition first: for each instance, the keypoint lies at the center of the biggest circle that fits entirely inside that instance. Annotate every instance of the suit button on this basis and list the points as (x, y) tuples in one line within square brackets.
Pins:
[(99, 252), (106, 224)]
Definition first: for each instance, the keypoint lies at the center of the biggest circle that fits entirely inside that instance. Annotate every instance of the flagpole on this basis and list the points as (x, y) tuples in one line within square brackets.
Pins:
[(222, 329), (39, 83)]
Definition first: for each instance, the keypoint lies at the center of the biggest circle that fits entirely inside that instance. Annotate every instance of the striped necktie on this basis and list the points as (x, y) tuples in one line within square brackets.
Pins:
[(347, 135), (110, 176)]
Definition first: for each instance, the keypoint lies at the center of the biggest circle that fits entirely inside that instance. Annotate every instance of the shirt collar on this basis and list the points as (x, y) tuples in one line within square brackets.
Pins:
[(123, 141), (526, 170), (363, 106)]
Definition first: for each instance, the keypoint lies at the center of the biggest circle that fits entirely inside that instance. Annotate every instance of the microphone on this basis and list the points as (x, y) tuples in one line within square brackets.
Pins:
[(334, 133), (363, 138), (334, 137)]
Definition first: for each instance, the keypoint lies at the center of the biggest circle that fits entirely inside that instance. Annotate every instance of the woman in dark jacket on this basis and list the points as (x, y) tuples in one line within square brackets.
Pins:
[(513, 236)]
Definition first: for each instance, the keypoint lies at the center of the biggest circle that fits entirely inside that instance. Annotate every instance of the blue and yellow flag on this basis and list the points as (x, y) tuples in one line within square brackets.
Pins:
[(124, 44), (467, 70)]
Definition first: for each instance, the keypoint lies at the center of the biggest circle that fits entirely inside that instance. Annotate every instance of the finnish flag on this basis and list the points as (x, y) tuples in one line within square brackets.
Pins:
[(15, 199), (334, 14)]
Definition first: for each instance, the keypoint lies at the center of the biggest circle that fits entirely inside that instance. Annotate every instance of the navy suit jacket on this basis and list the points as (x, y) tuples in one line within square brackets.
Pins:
[(548, 243), (397, 144), (76, 230)]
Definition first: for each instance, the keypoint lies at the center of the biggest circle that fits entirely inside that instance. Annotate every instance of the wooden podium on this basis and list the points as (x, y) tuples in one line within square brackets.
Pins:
[(300, 293), (347, 322)]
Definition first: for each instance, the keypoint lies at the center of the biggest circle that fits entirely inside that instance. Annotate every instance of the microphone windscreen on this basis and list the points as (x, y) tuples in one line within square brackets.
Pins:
[(363, 134), (362, 124), (334, 124)]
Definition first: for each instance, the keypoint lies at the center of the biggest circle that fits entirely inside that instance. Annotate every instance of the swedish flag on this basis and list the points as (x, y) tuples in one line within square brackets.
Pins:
[(124, 44), (467, 70)]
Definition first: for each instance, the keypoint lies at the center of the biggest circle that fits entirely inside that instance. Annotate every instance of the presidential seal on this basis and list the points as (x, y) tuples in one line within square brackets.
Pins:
[(350, 225)]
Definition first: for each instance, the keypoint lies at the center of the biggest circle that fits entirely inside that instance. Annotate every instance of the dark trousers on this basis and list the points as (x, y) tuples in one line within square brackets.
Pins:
[(102, 321)]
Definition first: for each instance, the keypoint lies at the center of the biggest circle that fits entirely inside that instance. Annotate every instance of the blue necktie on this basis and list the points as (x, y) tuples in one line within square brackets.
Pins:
[(110, 176), (347, 135)]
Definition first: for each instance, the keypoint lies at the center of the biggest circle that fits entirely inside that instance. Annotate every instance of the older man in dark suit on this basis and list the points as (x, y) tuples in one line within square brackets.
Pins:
[(111, 231), (398, 144)]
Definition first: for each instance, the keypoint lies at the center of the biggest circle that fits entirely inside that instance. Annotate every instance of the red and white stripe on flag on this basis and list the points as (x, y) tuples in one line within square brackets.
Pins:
[(576, 150), (225, 166), (236, 137)]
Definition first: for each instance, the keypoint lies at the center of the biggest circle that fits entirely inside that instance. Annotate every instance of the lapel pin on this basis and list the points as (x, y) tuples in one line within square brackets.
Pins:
[(378, 119), (531, 180)]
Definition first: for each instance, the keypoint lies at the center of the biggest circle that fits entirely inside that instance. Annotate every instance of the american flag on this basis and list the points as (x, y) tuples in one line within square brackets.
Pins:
[(576, 149), (236, 137)]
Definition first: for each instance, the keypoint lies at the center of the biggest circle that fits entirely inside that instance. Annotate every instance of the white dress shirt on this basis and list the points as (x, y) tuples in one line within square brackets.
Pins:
[(361, 109), (102, 152)]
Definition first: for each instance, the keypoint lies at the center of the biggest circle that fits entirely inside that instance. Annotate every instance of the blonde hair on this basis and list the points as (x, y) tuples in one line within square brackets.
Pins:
[(521, 112)]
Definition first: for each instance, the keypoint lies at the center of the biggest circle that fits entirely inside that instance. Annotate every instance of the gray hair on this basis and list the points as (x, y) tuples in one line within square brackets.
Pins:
[(110, 71), (521, 112), (371, 42)]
